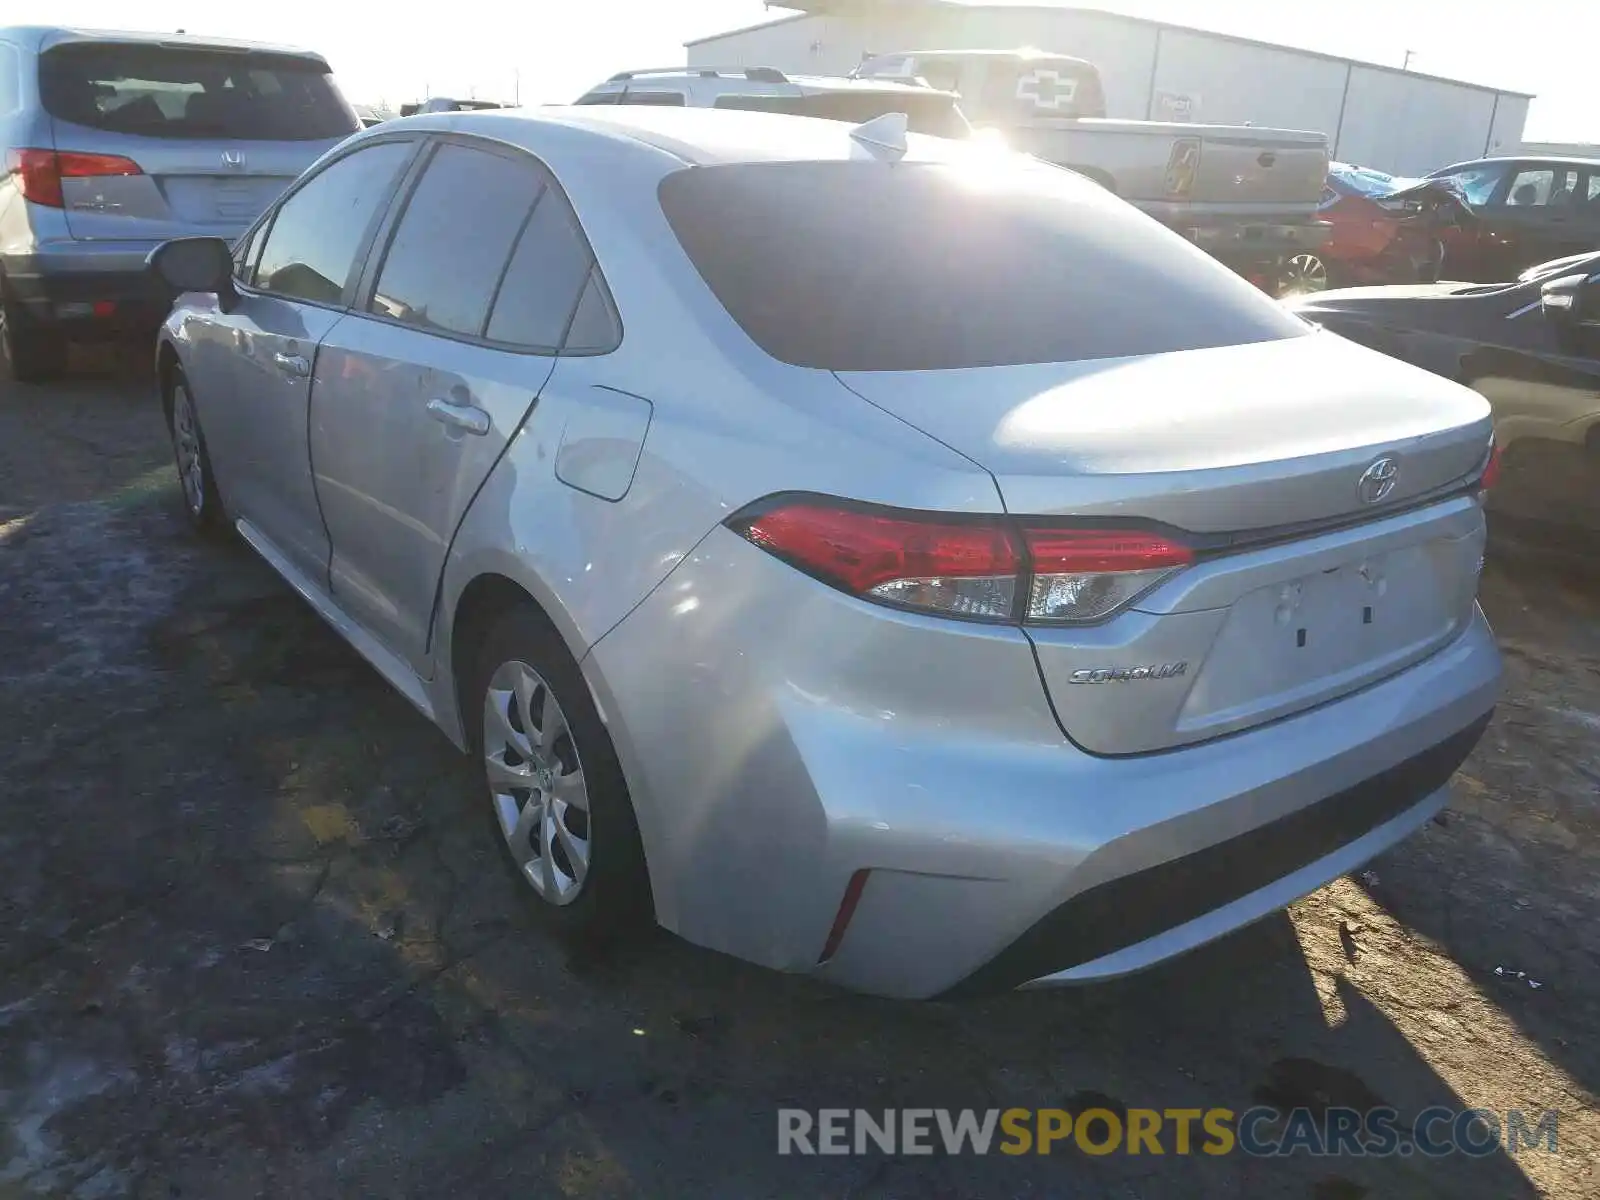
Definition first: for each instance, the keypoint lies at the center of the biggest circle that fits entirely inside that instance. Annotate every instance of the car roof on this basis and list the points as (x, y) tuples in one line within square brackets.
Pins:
[(694, 136), (1560, 160), (43, 37)]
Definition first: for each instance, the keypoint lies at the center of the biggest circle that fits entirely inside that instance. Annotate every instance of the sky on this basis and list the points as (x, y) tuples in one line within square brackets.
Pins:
[(553, 50)]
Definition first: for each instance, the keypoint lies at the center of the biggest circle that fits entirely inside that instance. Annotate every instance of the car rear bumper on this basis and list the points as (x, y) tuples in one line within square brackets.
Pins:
[(84, 287), (815, 740)]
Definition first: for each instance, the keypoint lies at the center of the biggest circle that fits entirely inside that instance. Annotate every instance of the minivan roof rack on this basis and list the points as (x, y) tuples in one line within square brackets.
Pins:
[(760, 74)]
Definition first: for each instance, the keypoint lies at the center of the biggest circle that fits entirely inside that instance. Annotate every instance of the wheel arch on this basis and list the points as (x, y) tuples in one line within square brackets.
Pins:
[(168, 367), (485, 599), (486, 596)]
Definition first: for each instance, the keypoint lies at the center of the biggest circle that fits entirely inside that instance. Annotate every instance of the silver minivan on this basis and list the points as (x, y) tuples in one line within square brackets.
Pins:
[(115, 142)]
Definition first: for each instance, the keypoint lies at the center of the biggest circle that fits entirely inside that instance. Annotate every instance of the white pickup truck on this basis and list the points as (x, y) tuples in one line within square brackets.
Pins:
[(1247, 194)]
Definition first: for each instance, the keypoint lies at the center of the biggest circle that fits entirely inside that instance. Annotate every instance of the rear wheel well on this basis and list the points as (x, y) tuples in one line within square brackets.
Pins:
[(485, 600), (166, 375)]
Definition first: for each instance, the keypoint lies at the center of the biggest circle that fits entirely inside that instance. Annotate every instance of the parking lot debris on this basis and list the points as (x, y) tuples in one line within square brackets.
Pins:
[(1517, 977), (400, 828), (1370, 878), (261, 944)]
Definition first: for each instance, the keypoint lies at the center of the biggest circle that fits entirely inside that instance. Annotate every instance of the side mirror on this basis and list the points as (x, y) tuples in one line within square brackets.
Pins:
[(196, 264), (1571, 300)]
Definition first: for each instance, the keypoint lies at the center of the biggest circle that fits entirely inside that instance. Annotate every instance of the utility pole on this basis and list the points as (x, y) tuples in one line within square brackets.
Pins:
[(1406, 66)]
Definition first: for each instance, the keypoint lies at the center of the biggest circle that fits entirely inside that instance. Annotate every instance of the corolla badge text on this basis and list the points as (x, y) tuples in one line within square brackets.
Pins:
[(1128, 674)]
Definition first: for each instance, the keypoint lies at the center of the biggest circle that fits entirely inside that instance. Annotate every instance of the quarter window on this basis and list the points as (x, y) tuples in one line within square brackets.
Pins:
[(318, 231), (595, 328), (451, 247), (547, 275)]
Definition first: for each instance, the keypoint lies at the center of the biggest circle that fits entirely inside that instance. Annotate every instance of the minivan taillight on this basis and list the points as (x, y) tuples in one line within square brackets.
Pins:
[(40, 172), (980, 568)]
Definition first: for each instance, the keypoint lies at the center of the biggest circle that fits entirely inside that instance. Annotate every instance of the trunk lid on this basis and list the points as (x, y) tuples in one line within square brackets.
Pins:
[(185, 187), (1305, 587)]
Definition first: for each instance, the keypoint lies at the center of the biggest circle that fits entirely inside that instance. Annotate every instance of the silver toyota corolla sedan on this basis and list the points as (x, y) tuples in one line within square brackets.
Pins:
[(872, 556)]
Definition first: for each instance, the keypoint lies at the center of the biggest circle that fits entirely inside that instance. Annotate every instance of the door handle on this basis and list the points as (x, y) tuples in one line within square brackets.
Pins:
[(459, 416), (292, 364)]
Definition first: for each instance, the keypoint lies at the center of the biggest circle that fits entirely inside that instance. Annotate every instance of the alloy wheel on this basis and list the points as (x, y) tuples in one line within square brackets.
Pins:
[(186, 450), (1303, 274), (536, 782)]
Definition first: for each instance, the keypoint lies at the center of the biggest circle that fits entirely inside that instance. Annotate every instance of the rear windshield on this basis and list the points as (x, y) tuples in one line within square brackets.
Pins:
[(159, 91), (1373, 184), (932, 114), (863, 266)]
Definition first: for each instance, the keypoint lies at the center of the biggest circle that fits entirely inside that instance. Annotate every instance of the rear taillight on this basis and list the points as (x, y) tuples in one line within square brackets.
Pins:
[(966, 569), (980, 568), (1086, 575), (1491, 470), (39, 172)]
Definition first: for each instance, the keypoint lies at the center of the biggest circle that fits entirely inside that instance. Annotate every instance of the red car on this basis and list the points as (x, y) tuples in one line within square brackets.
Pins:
[(1385, 230)]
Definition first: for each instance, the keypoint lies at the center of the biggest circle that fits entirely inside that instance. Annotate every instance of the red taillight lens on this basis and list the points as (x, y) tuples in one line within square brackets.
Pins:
[(983, 568), (1086, 575), (40, 172), (1491, 470), (960, 568)]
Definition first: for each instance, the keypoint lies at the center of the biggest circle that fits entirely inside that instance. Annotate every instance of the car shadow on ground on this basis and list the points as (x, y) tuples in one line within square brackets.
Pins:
[(255, 936), (1510, 895)]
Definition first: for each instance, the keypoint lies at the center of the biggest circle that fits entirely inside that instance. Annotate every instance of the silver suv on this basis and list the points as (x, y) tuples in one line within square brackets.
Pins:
[(766, 89), (115, 142)]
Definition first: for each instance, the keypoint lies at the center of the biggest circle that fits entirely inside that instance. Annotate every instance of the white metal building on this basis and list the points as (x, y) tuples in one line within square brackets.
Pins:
[(1375, 116)]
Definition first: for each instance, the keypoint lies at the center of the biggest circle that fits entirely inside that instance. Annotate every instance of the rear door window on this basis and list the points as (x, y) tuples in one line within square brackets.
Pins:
[(452, 245), (318, 231), (1538, 187), (857, 266), (183, 92)]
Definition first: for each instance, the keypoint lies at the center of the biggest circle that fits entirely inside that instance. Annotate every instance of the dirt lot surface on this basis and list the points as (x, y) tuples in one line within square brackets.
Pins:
[(255, 941)]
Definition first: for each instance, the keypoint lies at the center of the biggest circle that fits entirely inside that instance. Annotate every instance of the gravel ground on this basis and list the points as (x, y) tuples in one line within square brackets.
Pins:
[(254, 940)]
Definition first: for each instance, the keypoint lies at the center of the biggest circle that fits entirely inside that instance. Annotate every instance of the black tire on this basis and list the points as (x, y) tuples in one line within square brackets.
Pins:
[(613, 903), (202, 502), (29, 353)]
